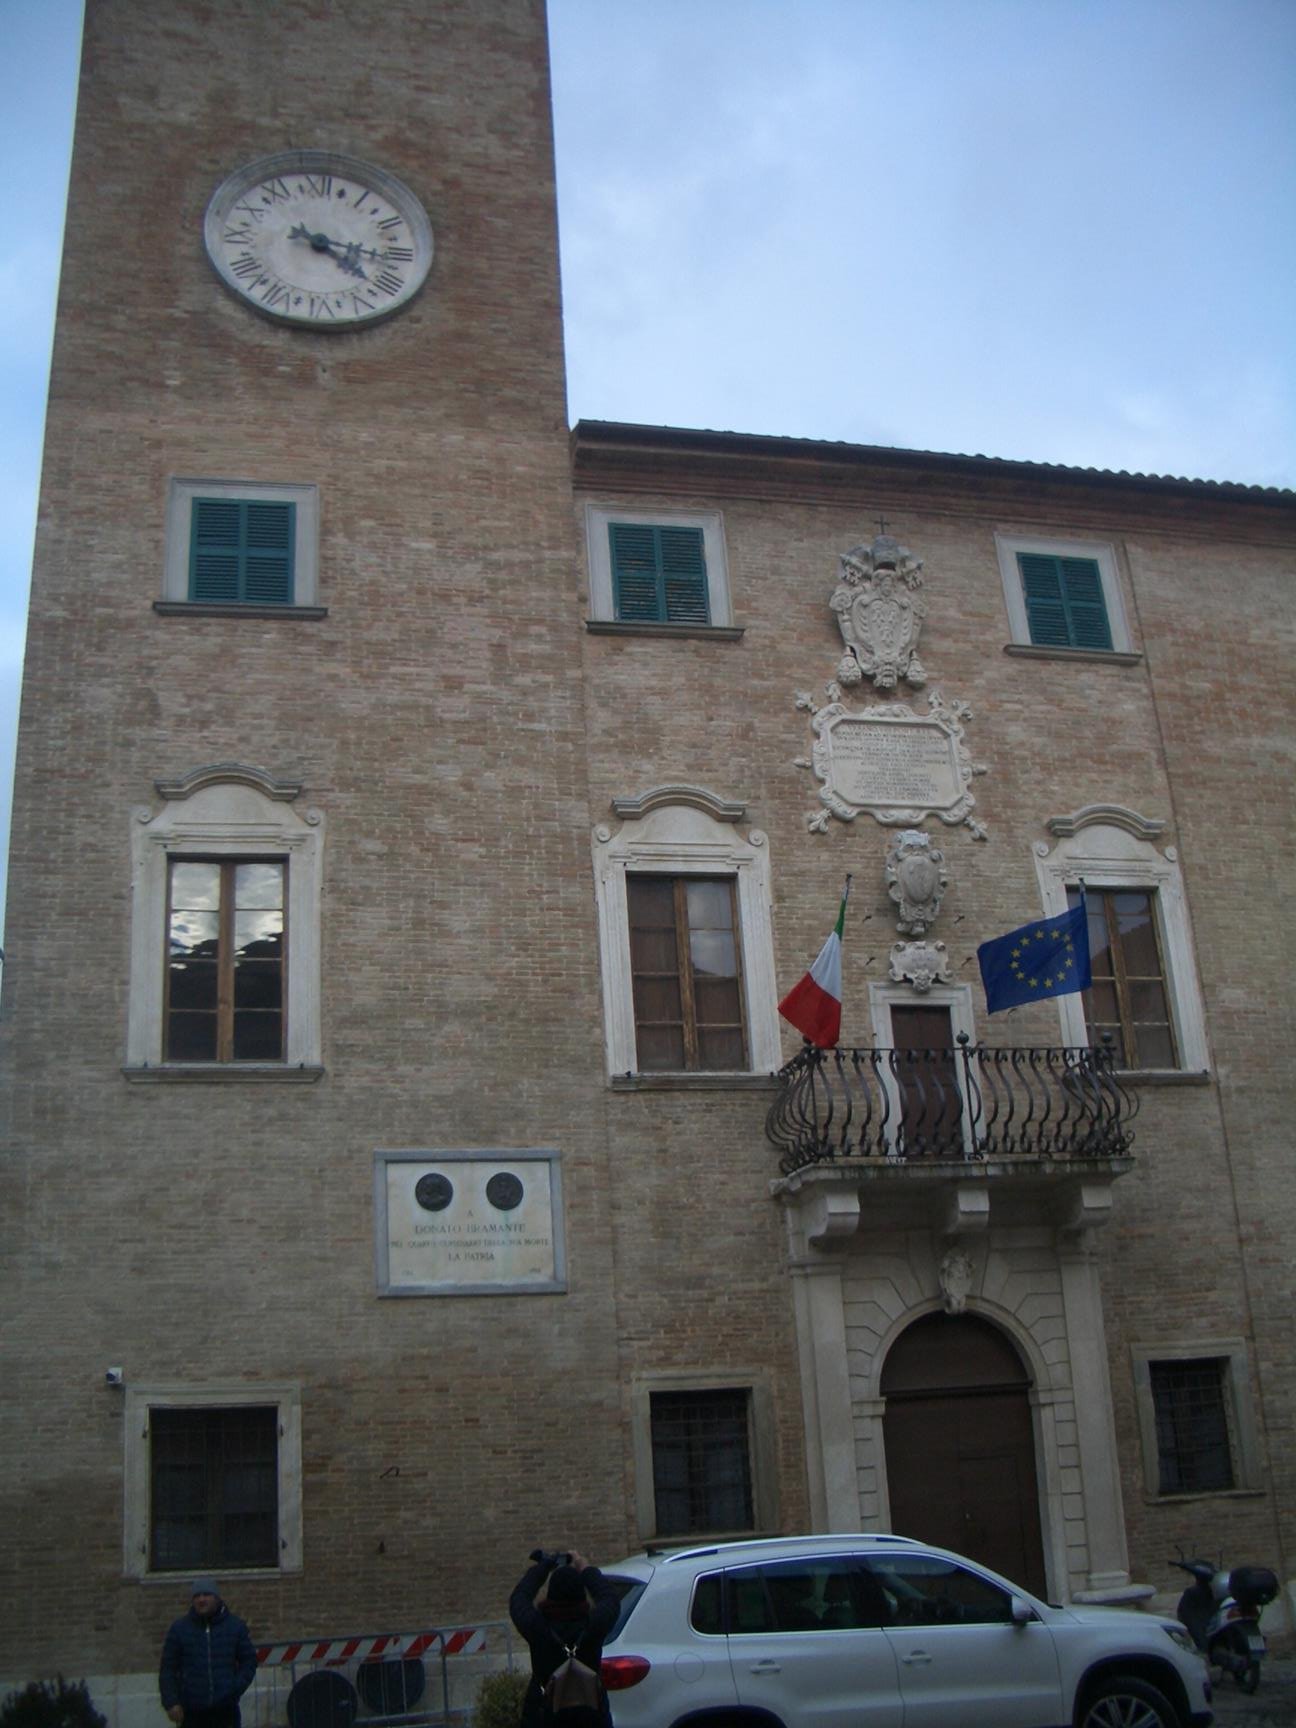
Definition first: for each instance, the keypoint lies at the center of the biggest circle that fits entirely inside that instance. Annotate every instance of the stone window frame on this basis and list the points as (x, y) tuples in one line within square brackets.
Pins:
[(1109, 846), (681, 831), (225, 810), (286, 1396), (1243, 1435), (1103, 553), (762, 1452), (599, 517), (181, 494)]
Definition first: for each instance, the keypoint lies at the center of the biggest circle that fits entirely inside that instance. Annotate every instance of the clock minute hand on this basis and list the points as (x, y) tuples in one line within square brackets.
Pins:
[(352, 250)]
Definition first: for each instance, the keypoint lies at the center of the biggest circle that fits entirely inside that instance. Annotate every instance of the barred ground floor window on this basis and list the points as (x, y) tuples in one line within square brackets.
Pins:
[(212, 1479)]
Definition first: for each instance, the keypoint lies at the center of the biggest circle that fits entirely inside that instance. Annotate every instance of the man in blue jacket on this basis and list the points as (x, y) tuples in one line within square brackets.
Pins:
[(208, 1662)]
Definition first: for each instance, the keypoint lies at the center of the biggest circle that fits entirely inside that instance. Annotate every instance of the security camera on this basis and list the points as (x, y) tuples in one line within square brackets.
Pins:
[(114, 1377)]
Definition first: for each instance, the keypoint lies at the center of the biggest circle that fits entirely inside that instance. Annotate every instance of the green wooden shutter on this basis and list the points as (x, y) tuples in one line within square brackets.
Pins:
[(241, 551), (1065, 607), (684, 576), (658, 574), (1086, 607)]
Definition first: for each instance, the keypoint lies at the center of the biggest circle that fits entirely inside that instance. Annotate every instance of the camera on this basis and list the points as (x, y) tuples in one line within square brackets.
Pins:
[(550, 1557)]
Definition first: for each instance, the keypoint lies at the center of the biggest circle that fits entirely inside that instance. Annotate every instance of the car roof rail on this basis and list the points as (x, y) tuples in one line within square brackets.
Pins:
[(668, 1556)]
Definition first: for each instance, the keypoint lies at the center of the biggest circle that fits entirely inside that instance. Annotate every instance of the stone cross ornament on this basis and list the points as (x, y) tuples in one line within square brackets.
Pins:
[(880, 610)]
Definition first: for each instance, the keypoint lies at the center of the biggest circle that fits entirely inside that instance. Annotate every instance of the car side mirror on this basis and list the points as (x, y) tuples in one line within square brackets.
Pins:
[(1022, 1612)]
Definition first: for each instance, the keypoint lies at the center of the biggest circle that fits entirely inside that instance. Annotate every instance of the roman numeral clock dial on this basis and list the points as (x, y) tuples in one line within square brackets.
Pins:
[(312, 238)]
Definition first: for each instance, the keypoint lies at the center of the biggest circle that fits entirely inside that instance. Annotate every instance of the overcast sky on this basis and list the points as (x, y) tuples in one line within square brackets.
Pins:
[(1059, 230)]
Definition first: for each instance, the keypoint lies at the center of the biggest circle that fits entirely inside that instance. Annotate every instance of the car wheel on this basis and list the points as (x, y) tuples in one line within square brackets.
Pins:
[(1127, 1702)]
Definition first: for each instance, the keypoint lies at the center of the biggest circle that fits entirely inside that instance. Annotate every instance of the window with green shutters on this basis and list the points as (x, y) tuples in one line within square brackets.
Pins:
[(241, 551), (658, 574), (1065, 606)]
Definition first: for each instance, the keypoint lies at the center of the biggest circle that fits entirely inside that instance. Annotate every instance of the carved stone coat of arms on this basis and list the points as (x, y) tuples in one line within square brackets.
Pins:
[(880, 611), (916, 880)]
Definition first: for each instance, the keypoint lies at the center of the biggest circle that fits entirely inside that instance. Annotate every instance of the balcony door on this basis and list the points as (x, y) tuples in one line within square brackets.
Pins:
[(960, 1445), (930, 1103)]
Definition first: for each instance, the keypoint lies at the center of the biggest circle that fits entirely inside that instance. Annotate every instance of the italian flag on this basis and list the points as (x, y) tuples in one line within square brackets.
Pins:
[(814, 1005)]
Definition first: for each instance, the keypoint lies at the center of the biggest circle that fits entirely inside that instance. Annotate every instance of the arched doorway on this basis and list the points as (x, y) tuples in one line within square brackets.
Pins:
[(960, 1445)]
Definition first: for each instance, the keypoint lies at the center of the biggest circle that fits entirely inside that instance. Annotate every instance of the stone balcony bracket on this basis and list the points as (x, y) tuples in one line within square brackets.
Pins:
[(832, 1201)]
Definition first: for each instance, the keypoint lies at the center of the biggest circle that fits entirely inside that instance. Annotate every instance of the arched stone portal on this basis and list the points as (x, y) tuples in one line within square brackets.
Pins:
[(960, 1444)]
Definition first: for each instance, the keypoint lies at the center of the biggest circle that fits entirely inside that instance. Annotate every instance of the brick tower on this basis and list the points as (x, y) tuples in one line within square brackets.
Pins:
[(299, 703)]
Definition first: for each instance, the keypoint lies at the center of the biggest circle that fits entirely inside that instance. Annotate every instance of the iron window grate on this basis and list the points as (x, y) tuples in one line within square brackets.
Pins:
[(1193, 1451), (702, 1479)]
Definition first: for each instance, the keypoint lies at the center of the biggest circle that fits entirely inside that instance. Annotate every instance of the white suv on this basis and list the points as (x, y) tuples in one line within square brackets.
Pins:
[(839, 1631)]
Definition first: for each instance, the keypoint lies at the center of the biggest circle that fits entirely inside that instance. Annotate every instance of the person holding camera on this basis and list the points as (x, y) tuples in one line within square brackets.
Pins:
[(564, 1633)]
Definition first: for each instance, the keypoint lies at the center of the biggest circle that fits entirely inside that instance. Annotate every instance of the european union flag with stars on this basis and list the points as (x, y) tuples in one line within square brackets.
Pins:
[(1048, 958)]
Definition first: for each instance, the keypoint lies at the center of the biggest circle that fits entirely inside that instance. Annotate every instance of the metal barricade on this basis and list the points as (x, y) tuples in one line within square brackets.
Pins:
[(378, 1680)]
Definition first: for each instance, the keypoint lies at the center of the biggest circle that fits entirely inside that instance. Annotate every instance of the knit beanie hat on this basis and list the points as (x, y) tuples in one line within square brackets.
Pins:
[(203, 1587), (565, 1585)]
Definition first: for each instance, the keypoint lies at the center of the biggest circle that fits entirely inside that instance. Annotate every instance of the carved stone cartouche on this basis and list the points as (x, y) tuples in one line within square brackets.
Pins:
[(956, 1275), (916, 880), (920, 964), (880, 611)]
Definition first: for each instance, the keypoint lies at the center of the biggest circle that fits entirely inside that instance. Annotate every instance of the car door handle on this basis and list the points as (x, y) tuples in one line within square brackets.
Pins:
[(917, 1659), (768, 1666)]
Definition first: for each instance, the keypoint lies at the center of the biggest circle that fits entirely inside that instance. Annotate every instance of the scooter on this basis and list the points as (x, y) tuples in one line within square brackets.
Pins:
[(1222, 1613)]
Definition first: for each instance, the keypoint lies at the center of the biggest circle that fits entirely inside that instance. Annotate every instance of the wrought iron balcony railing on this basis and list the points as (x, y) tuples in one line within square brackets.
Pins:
[(973, 1102)]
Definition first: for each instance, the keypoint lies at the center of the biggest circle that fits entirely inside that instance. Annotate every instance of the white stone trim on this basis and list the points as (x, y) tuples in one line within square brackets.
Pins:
[(180, 497), (832, 1446), (226, 818), (1108, 854), (761, 1452), (136, 1509), (599, 516), (1007, 546), (681, 840), (1243, 1439)]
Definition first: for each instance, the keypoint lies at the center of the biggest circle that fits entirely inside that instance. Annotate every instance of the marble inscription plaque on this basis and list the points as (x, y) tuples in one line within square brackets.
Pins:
[(459, 1223), (885, 763)]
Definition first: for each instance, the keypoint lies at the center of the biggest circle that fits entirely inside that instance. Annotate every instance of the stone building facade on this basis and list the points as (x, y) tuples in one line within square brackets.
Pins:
[(420, 810)]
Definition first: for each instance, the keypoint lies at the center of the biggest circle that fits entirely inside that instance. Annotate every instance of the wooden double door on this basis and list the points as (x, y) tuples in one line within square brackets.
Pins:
[(960, 1445)]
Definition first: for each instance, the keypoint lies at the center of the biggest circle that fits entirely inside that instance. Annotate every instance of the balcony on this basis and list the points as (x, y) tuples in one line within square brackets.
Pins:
[(971, 1103)]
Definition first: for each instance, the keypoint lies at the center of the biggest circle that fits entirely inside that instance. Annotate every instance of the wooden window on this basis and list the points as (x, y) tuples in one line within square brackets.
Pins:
[(701, 1452), (226, 931), (1128, 997), (214, 1487), (241, 551), (686, 969), (1065, 607), (658, 574), (1194, 1455)]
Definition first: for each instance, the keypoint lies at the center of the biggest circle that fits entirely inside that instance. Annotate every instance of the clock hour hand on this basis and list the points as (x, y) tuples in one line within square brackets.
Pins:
[(351, 251)]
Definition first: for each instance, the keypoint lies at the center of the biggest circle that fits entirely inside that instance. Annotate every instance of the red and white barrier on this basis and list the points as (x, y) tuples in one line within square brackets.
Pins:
[(373, 1647)]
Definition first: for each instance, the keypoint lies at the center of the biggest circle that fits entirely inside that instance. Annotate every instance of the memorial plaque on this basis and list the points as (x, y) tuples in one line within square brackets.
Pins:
[(899, 766), (886, 763), (468, 1223)]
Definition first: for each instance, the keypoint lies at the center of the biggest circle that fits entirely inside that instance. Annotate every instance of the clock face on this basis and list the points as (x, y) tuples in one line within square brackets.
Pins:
[(312, 238)]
